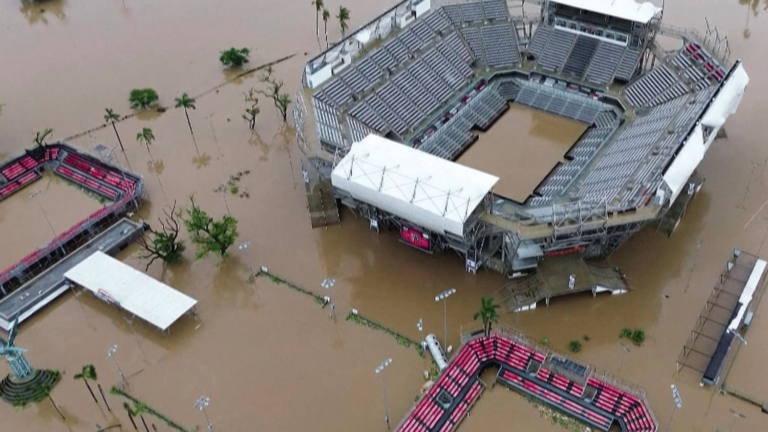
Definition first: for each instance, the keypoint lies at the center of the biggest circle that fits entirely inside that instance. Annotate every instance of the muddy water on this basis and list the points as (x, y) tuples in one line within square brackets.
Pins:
[(268, 357), (505, 150)]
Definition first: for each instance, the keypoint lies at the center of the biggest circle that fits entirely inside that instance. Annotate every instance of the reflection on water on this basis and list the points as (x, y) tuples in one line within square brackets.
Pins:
[(202, 160), (754, 6), (157, 166), (35, 11)]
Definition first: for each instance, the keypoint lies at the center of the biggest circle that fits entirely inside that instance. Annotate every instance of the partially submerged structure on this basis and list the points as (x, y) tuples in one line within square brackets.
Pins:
[(420, 80)]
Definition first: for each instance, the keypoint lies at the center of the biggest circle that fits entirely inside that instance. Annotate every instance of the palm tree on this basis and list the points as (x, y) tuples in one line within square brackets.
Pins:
[(111, 117), (326, 17), (139, 408), (343, 17), (44, 390), (41, 136), (186, 102), (88, 373), (319, 6), (146, 136), (130, 414), (487, 314)]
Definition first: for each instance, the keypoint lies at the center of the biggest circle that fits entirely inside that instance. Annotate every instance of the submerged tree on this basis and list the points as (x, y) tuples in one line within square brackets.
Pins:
[(487, 314), (142, 98), (234, 57), (163, 244), (40, 137), (139, 408), (146, 136), (273, 91), (326, 17), (88, 373), (319, 6), (186, 102), (252, 111), (210, 236), (343, 17), (111, 118)]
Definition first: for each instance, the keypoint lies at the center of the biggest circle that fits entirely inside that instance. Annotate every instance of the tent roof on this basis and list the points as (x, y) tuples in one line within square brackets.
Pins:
[(429, 191), (624, 9), (131, 289)]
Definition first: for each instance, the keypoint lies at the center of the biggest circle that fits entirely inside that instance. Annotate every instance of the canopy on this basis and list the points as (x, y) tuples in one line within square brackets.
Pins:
[(728, 98), (132, 290), (624, 9), (434, 193), (685, 163)]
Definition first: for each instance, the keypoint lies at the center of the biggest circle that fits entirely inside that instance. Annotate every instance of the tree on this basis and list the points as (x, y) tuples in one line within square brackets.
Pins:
[(186, 102), (88, 373), (130, 414), (638, 336), (44, 390), (210, 235), (281, 100), (146, 136), (164, 244), (252, 111), (111, 118), (142, 98), (343, 18), (574, 346), (139, 408), (234, 57), (319, 6), (487, 314), (326, 17), (625, 333), (41, 136)]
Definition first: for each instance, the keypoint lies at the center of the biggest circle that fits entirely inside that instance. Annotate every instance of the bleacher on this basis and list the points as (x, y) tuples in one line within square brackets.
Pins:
[(485, 10), (521, 367), (559, 102), (494, 45)]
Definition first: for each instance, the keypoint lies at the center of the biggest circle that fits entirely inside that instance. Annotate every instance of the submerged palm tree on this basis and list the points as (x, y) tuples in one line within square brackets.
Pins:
[(111, 117), (326, 17), (487, 313), (88, 373), (130, 414), (186, 102), (319, 6), (343, 18), (146, 136)]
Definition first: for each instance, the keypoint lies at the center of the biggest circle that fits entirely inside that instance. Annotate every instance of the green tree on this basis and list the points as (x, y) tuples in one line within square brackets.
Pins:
[(638, 336), (111, 118), (319, 6), (326, 17), (163, 244), (186, 102), (146, 136), (128, 409), (343, 17), (139, 409), (234, 57), (273, 91), (487, 314), (40, 137), (88, 373), (142, 98), (625, 333), (574, 346), (210, 236)]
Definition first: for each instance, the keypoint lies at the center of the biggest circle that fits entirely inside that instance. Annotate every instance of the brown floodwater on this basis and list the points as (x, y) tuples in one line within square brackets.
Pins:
[(506, 149), (268, 357)]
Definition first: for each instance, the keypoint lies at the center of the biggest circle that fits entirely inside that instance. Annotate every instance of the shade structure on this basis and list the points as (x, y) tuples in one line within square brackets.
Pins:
[(130, 289), (434, 193), (625, 9)]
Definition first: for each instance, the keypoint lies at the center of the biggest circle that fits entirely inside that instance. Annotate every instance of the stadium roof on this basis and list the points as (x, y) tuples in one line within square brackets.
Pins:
[(624, 9), (132, 290), (427, 190)]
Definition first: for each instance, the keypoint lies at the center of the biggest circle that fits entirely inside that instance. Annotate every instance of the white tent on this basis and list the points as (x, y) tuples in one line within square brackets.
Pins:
[(624, 9), (132, 290), (431, 192), (728, 99)]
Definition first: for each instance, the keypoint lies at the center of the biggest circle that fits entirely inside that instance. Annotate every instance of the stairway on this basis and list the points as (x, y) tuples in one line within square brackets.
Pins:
[(580, 57)]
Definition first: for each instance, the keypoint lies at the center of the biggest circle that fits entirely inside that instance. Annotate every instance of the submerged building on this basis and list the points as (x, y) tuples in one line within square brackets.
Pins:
[(384, 115)]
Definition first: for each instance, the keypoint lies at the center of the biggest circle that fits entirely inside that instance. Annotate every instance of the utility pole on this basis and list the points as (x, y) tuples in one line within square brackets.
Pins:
[(111, 354), (624, 352), (444, 296), (736, 416), (379, 371), (200, 405), (678, 405)]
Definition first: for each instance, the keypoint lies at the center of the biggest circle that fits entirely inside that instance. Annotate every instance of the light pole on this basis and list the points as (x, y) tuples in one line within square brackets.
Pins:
[(33, 196), (200, 405), (444, 296), (678, 405), (379, 371), (624, 351), (111, 354), (736, 416)]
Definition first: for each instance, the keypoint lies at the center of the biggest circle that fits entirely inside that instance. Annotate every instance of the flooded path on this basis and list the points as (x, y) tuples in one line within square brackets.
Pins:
[(269, 358)]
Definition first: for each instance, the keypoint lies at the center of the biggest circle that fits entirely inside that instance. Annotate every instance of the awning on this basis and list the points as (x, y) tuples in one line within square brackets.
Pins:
[(625, 9)]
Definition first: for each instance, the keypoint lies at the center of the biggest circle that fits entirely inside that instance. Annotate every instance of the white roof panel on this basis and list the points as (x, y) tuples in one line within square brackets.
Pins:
[(624, 9), (728, 99), (685, 163), (132, 290), (434, 193)]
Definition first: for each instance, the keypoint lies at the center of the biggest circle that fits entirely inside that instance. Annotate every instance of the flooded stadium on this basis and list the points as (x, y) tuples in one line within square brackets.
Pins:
[(270, 358)]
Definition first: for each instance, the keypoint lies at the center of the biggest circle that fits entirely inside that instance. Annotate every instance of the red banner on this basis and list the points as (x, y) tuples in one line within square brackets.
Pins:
[(414, 238), (569, 251)]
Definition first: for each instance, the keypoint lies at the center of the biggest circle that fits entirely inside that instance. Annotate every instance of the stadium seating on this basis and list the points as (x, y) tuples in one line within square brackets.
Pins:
[(494, 45)]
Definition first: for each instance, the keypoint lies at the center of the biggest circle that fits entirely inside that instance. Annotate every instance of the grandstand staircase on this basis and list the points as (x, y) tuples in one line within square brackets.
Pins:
[(581, 55)]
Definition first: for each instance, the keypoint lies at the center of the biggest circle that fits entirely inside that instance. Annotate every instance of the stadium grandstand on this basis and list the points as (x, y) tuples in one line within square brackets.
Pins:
[(384, 114)]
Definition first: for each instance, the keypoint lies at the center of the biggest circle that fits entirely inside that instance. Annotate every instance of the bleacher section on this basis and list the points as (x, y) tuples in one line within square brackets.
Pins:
[(494, 45), (486, 10), (522, 368), (559, 102), (87, 172)]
